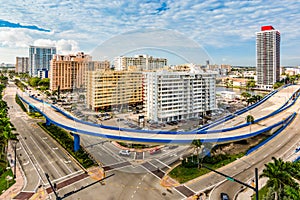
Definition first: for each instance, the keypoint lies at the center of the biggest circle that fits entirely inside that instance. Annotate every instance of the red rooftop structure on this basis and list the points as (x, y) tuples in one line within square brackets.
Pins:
[(267, 28)]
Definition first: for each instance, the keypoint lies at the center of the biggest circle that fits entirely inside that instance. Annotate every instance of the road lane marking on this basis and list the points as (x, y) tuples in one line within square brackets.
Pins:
[(55, 148), (36, 168), (67, 176), (112, 153), (163, 163), (45, 156), (24, 164)]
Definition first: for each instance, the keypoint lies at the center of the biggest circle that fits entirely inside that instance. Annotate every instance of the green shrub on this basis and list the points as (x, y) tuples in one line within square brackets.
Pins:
[(4, 182), (18, 101), (188, 169)]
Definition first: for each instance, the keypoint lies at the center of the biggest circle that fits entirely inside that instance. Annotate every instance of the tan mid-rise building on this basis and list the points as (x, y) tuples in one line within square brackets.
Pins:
[(22, 65), (69, 71), (108, 89), (140, 62)]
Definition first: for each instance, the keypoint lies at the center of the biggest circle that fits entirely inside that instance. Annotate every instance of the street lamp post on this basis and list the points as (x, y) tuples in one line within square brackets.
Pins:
[(15, 159)]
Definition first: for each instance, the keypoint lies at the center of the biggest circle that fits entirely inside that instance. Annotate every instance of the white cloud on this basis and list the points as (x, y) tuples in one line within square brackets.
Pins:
[(14, 38), (62, 46), (87, 23), (44, 42)]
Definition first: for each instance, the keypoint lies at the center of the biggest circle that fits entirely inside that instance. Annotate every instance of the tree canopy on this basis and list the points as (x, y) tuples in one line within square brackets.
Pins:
[(282, 178), (250, 83), (34, 81)]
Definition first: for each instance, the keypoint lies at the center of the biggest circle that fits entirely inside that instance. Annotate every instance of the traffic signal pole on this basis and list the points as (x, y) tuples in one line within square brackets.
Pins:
[(256, 183), (53, 189), (230, 178)]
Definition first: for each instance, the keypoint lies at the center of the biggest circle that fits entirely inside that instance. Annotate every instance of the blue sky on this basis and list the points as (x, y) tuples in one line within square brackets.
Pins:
[(224, 30)]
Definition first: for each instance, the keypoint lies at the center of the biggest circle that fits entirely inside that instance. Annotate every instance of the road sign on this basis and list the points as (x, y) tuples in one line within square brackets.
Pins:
[(230, 179)]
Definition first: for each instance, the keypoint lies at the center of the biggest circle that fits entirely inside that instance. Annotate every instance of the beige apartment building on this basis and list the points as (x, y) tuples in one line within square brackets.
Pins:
[(140, 62), (69, 71), (22, 65), (108, 88)]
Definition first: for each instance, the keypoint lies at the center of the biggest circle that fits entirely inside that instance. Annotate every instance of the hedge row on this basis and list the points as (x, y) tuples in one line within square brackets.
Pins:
[(18, 101)]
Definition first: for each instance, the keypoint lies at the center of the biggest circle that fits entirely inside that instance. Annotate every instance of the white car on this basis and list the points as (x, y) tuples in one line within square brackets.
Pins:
[(124, 152)]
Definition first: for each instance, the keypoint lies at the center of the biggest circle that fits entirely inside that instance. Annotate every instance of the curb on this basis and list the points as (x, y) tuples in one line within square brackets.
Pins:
[(136, 150)]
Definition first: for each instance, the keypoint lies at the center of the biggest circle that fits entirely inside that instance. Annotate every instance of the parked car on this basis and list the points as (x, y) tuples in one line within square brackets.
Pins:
[(173, 146), (224, 196), (162, 124), (172, 123), (124, 153), (154, 151)]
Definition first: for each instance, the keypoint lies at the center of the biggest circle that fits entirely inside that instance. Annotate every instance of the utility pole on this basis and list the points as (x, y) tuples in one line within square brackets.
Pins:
[(240, 182), (15, 159)]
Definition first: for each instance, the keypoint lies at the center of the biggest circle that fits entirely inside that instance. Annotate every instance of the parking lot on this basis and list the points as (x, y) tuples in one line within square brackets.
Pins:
[(130, 119)]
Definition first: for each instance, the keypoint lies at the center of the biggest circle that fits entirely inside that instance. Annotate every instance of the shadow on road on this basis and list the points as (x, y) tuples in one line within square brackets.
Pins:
[(83, 187)]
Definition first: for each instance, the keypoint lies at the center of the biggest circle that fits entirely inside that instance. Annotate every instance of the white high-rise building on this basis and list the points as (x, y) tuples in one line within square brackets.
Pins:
[(267, 57), (139, 63), (39, 60), (175, 95)]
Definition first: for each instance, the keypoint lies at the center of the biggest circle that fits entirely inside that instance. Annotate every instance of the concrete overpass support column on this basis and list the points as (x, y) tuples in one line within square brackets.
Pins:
[(30, 109), (76, 142), (48, 123)]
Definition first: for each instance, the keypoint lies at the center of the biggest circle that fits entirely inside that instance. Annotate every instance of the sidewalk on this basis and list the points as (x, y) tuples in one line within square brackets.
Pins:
[(248, 193), (17, 187)]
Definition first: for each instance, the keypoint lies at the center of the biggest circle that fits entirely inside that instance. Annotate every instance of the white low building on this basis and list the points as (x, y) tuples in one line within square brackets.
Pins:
[(174, 95)]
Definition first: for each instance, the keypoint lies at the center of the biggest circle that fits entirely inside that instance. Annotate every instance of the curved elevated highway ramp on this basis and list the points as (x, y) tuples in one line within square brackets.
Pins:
[(278, 101)]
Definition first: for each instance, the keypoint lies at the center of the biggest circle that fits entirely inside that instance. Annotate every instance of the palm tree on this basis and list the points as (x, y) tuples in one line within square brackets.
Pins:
[(197, 145), (295, 172), (246, 95), (250, 119), (250, 83), (251, 100), (290, 193), (278, 176)]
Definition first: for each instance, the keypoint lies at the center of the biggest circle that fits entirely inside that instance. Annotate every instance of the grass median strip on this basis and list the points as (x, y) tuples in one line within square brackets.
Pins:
[(18, 101), (188, 169)]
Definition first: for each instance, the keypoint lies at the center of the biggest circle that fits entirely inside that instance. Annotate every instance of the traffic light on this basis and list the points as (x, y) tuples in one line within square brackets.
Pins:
[(55, 186)]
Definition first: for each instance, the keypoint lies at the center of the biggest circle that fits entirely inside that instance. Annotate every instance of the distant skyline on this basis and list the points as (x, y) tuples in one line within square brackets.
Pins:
[(225, 30)]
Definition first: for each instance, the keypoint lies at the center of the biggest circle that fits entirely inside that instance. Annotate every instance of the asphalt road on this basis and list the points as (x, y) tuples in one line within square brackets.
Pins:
[(267, 107), (37, 152), (122, 185), (107, 153), (282, 145), (133, 180)]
